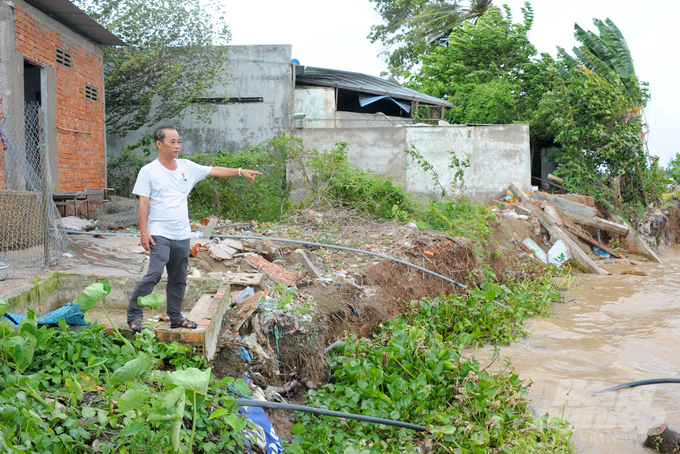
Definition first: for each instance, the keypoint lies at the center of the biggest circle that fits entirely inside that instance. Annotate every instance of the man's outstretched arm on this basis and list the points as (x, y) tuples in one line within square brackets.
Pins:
[(225, 172)]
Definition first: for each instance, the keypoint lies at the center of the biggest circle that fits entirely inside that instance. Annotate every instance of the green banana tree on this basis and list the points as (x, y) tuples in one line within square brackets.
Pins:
[(608, 56)]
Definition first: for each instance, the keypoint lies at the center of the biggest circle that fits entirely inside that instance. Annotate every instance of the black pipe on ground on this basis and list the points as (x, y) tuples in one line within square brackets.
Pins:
[(306, 243), (322, 411), (343, 248), (653, 381)]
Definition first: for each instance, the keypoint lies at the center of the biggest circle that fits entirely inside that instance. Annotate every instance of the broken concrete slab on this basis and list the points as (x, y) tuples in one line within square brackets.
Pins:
[(208, 229), (580, 258), (308, 264), (597, 222), (272, 271), (252, 279), (200, 307), (579, 198), (234, 244), (552, 215), (208, 313), (221, 251), (519, 209), (640, 246)]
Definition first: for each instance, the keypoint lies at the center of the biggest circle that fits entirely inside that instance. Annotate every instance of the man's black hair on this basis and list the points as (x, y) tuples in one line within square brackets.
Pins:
[(159, 133)]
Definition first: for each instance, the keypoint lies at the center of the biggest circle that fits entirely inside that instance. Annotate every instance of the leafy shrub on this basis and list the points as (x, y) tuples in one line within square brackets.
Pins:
[(265, 199), (414, 371), (339, 180)]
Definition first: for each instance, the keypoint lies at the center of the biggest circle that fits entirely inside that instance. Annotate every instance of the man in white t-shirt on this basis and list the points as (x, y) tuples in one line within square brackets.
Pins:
[(163, 187)]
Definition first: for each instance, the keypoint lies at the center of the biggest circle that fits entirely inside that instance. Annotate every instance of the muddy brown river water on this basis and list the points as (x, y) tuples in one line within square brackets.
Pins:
[(612, 330)]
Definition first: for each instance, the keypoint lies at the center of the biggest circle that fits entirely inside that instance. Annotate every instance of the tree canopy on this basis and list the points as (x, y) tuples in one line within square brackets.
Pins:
[(411, 28), (593, 112), (487, 69), (174, 55), (587, 105)]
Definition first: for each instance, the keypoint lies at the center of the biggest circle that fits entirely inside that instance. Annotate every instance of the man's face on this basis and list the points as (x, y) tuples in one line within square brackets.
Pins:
[(170, 146)]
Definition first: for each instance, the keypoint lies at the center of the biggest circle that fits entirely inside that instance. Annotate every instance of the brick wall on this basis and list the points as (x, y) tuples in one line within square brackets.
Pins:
[(81, 155)]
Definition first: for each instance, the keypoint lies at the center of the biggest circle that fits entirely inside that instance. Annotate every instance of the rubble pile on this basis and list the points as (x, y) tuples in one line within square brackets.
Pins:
[(573, 228), (290, 302)]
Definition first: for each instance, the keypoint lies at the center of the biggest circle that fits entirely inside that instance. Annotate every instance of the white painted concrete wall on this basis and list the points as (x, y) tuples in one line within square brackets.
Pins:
[(498, 154)]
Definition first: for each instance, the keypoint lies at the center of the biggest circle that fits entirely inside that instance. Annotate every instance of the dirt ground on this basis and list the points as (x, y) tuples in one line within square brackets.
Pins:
[(361, 291)]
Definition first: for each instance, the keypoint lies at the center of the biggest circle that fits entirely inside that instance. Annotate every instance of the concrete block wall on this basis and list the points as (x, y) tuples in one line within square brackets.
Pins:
[(80, 156), (260, 71), (498, 154)]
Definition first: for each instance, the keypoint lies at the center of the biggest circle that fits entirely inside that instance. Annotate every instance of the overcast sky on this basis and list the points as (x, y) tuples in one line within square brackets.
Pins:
[(332, 34)]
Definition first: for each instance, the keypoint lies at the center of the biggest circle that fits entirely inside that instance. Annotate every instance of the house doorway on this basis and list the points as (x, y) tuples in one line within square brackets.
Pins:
[(33, 124)]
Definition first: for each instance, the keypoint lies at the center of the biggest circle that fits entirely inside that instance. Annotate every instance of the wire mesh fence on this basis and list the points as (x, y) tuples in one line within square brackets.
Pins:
[(31, 232)]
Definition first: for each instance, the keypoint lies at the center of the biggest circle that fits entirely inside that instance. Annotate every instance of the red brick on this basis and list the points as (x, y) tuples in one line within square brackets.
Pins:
[(273, 271), (81, 156)]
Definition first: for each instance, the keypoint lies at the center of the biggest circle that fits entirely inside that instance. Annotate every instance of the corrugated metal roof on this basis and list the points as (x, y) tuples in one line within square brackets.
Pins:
[(362, 83), (74, 18)]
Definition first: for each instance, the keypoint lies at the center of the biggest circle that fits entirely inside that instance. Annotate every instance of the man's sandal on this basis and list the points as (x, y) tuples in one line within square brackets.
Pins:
[(184, 323), (137, 325)]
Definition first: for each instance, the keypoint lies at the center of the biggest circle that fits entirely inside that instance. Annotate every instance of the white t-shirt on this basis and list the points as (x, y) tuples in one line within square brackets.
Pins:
[(168, 191)]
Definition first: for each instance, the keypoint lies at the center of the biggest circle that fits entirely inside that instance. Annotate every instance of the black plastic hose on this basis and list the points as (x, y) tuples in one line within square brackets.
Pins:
[(322, 411), (653, 381), (331, 246), (306, 243)]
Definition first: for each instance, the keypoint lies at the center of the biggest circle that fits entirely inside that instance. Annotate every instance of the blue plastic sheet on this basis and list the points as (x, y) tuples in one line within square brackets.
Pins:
[(248, 291), (70, 312), (366, 100), (263, 435)]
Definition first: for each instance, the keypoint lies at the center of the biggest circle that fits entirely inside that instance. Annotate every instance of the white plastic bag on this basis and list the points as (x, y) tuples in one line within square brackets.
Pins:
[(559, 253), (533, 247)]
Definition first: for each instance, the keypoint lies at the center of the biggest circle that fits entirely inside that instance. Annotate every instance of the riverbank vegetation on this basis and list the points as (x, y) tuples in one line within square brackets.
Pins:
[(88, 391)]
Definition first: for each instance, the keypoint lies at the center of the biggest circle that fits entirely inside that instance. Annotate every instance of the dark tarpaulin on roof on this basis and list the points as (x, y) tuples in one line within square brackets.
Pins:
[(362, 83)]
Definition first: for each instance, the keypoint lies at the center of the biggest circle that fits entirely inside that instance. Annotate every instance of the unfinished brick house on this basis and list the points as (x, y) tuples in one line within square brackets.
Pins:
[(51, 69)]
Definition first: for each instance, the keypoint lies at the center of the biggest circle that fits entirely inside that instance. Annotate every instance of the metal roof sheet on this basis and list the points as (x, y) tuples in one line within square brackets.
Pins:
[(362, 83), (74, 18)]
